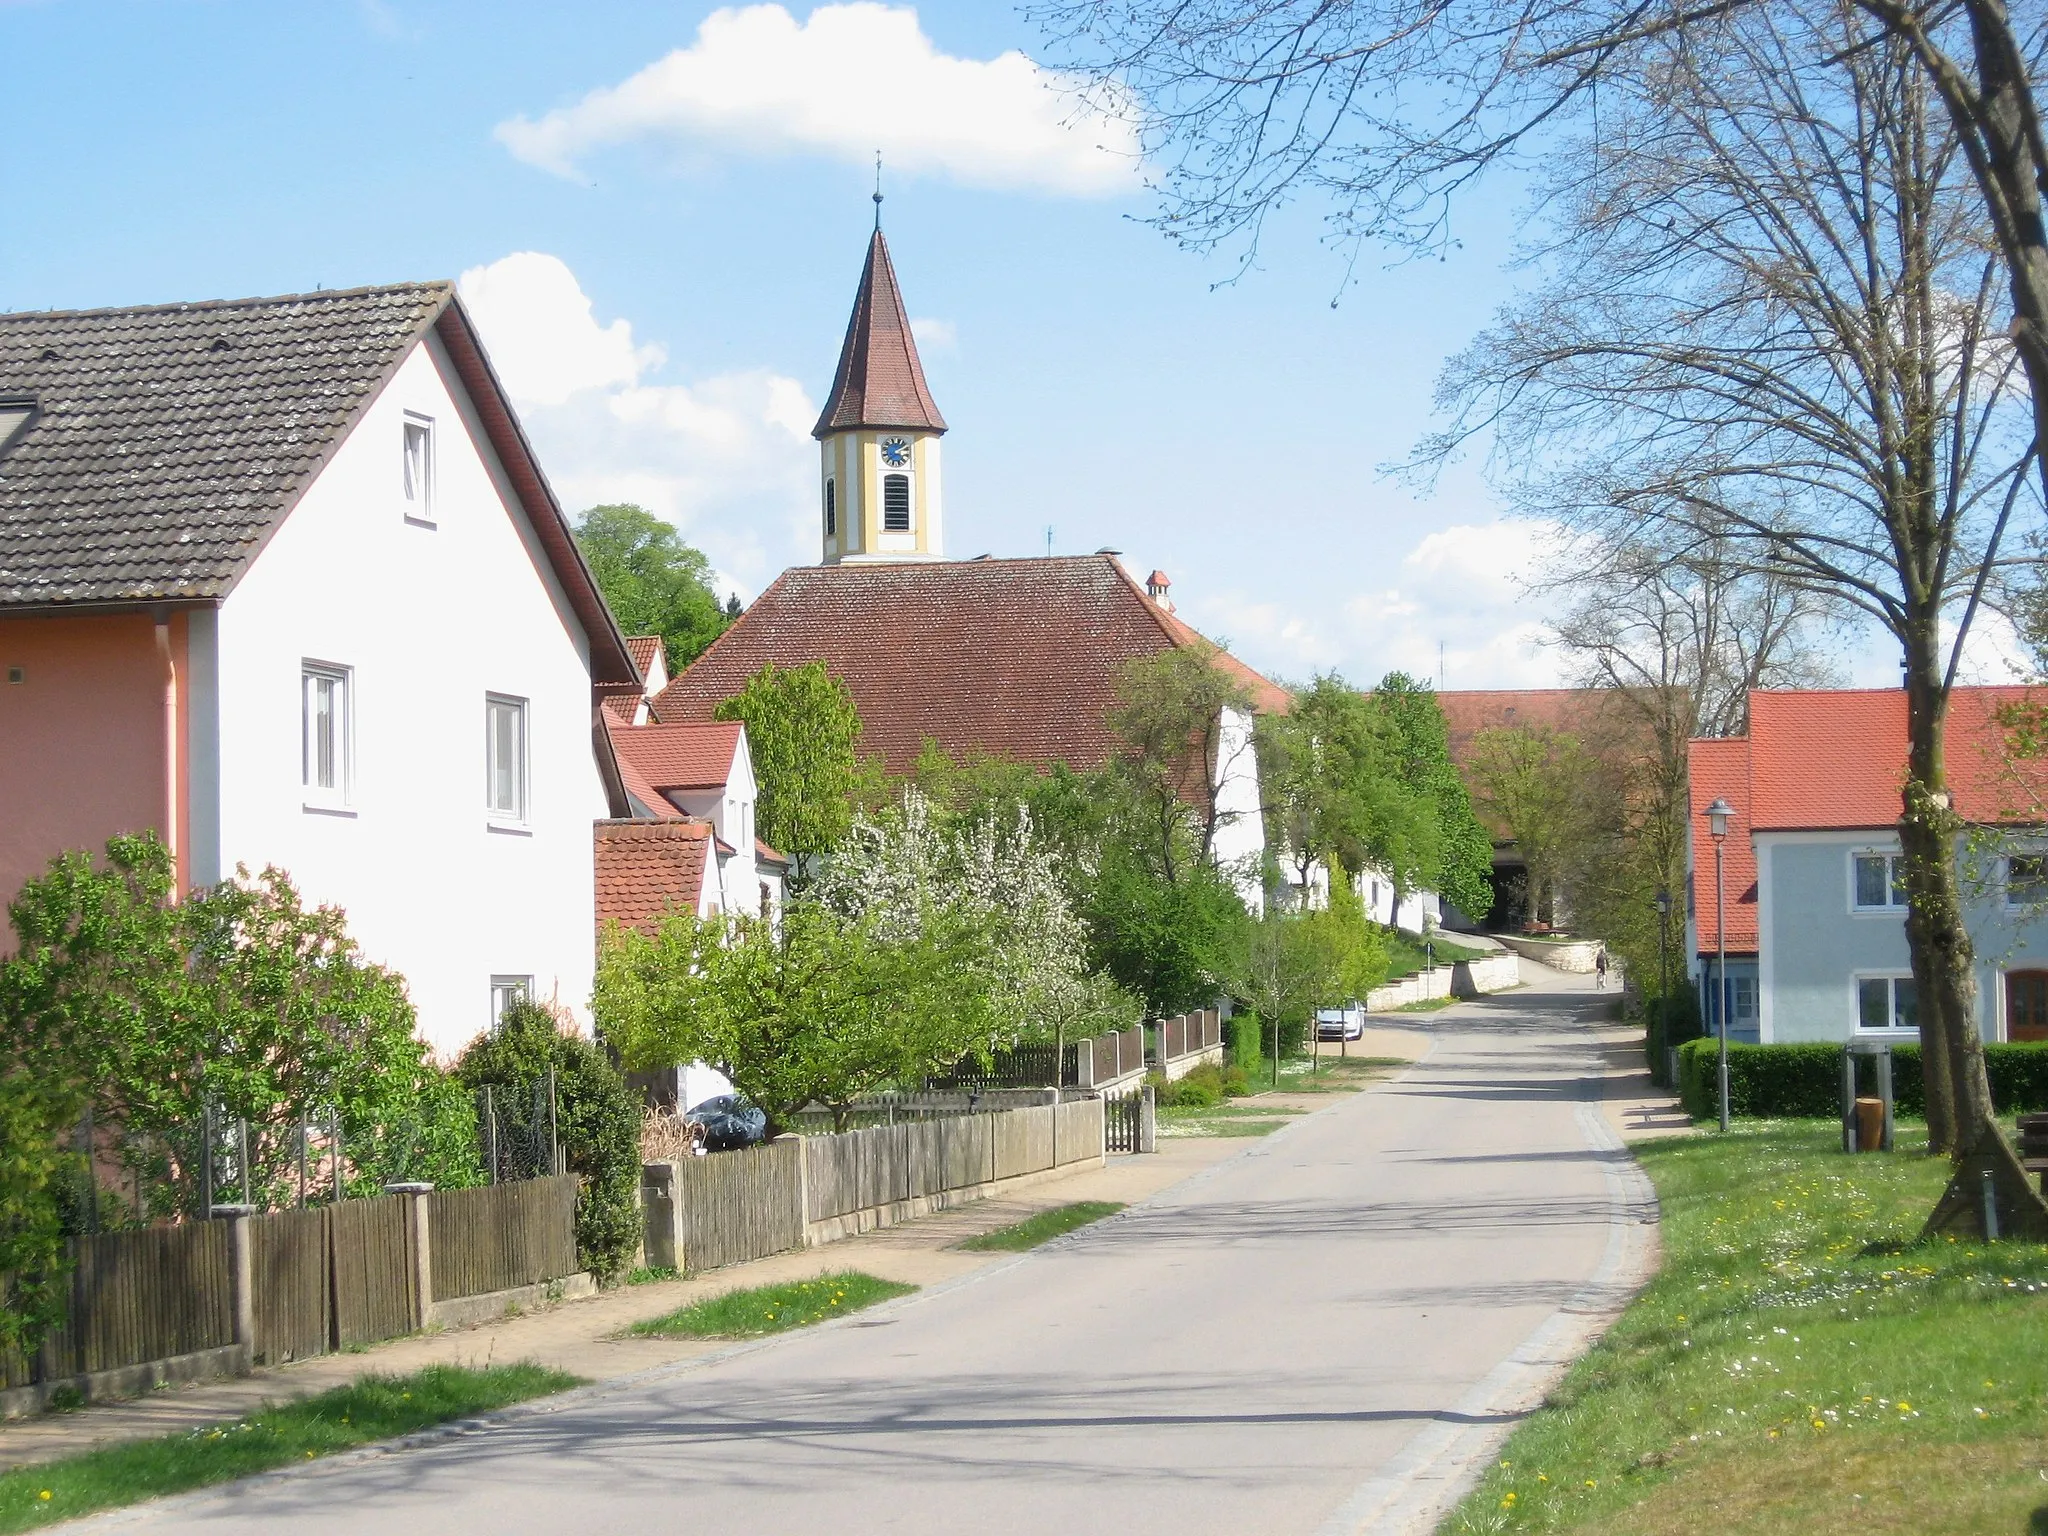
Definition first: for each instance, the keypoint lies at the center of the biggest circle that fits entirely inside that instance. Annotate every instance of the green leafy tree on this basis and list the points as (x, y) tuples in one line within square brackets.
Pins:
[(1421, 743), (1544, 789), (34, 1115), (655, 583), (597, 1119), (1290, 965), (804, 732), (1173, 943), (238, 998), (1173, 711), (815, 1008)]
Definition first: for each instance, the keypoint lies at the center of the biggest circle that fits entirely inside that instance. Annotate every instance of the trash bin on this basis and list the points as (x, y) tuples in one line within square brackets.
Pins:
[(1869, 1124)]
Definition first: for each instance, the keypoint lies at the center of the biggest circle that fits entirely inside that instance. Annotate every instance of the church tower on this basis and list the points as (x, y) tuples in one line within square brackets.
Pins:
[(878, 436)]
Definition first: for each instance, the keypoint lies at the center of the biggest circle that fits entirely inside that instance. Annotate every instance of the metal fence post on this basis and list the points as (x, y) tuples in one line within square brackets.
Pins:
[(554, 1134), (1884, 1091), (1848, 1099), (206, 1157), (242, 1157)]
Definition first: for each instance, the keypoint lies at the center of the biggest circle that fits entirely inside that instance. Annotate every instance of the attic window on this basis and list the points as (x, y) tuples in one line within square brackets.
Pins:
[(895, 503), (419, 468), (16, 413)]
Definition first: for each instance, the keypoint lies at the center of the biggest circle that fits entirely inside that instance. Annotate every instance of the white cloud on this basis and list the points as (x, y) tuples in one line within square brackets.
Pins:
[(850, 80), (727, 459), (935, 335), (1459, 587)]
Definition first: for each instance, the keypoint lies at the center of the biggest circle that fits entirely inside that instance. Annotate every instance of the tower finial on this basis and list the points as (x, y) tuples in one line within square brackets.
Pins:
[(878, 189)]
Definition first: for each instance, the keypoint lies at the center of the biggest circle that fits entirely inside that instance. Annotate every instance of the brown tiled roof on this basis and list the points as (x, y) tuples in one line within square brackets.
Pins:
[(763, 854), (1720, 768), (880, 382), (1467, 712), (690, 754), (170, 441), (1015, 657), (622, 707), (648, 869)]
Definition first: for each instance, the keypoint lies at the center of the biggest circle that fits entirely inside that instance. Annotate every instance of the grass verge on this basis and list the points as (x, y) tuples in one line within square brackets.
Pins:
[(374, 1408), (1799, 1365), (1042, 1227), (764, 1309)]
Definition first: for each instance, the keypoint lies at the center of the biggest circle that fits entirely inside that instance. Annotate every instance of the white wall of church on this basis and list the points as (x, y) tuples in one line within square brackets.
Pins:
[(1240, 844)]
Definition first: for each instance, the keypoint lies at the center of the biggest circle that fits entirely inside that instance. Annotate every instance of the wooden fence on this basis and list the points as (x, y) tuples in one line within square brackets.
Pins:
[(325, 1278), (136, 1296), (734, 1206), (502, 1236)]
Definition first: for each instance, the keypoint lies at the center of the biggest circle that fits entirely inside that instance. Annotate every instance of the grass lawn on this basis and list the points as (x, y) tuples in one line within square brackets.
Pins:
[(1042, 1227), (374, 1408), (1405, 955), (765, 1309), (1796, 1366)]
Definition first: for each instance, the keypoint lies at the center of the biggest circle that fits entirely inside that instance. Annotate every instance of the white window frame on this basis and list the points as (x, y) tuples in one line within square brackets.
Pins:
[(503, 990), (1892, 1031), (909, 501), (421, 503), (2041, 861), (500, 818), (1893, 858), (332, 798)]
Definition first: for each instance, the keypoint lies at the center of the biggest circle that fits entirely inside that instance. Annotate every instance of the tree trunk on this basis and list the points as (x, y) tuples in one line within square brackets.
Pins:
[(1961, 1120)]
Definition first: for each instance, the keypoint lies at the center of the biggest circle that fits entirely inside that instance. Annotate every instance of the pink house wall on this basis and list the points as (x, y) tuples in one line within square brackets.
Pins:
[(82, 738)]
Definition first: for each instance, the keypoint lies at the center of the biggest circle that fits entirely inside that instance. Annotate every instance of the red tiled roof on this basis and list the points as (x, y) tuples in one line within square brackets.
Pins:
[(636, 783), (681, 755), (1720, 768), (648, 869), (1013, 657), (643, 649), (763, 854), (880, 382), (1837, 758), (1467, 712)]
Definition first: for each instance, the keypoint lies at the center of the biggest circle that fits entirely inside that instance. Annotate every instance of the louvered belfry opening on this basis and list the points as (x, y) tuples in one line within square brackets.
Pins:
[(896, 503)]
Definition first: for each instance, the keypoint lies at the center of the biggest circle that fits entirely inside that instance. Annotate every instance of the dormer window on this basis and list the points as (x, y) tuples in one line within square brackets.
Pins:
[(831, 509), (895, 503), (16, 412), (419, 468)]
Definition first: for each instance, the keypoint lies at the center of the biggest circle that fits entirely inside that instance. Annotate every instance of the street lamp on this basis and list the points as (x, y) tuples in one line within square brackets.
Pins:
[(1663, 901), (1719, 814)]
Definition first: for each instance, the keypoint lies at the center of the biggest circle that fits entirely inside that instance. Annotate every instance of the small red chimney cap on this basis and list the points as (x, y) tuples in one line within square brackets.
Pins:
[(1157, 579)]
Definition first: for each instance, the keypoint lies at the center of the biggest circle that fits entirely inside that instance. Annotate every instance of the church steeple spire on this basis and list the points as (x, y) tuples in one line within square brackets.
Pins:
[(878, 436), (880, 382)]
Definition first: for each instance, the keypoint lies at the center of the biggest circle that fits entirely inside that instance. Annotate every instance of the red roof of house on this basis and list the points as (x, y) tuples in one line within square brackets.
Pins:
[(643, 649), (1467, 712), (880, 382), (1720, 768), (1013, 657), (1837, 758), (648, 869), (680, 755)]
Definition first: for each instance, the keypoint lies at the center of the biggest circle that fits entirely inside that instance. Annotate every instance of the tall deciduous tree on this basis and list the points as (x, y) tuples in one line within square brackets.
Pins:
[(1776, 330), (1182, 719), (1422, 758), (804, 732), (655, 583)]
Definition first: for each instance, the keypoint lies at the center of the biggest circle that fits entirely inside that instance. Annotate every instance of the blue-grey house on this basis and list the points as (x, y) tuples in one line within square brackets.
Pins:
[(1809, 886)]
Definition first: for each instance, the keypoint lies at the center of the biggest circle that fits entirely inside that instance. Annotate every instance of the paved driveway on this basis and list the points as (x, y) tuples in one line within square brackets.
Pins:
[(1319, 1335)]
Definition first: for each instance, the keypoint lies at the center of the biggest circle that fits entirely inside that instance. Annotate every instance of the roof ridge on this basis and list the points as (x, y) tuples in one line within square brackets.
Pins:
[(424, 285)]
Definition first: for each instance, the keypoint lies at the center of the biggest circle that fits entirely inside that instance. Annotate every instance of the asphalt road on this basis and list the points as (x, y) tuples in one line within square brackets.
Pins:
[(1321, 1335)]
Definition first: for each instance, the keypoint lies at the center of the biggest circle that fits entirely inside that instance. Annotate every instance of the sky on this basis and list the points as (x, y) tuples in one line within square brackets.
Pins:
[(658, 215)]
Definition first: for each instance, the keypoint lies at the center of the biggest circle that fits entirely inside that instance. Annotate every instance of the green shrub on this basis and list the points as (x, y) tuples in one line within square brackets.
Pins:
[(596, 1116), (1204, 1087), (1804, 1081)]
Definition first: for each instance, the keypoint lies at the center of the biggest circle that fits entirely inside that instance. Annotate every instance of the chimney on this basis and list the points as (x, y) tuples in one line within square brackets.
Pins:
[(1155, 588)]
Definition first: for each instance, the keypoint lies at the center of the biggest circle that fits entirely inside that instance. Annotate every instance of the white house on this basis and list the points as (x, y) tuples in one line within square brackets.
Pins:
[(291, 564)]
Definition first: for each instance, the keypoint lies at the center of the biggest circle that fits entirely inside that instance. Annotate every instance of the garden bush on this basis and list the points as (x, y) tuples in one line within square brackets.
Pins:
[(596, 1116), (1204, 1087), (1804, 1081)]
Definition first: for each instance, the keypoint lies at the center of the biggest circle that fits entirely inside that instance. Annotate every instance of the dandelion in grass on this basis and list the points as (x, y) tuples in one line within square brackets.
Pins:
[(44, 1495)]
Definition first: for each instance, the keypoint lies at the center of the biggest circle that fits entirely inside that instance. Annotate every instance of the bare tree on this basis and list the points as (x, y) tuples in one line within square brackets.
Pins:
[(1774, 341), (1388, 108)]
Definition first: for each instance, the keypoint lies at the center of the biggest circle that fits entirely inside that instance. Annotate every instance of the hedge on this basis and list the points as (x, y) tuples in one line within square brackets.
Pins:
[(1805, 1081)]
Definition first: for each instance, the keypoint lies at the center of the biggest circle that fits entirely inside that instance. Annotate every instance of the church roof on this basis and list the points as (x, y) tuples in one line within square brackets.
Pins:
[(880, 382), (1012, 657)]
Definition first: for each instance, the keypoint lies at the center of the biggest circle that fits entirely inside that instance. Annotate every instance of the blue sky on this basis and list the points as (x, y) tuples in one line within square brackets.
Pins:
[(664, 274)]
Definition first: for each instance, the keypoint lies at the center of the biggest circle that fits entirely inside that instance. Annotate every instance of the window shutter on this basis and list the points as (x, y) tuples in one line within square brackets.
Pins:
[(896, 503)]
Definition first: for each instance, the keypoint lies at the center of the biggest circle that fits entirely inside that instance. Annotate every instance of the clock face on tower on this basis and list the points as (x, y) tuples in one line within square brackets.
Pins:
[(895, 452)]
